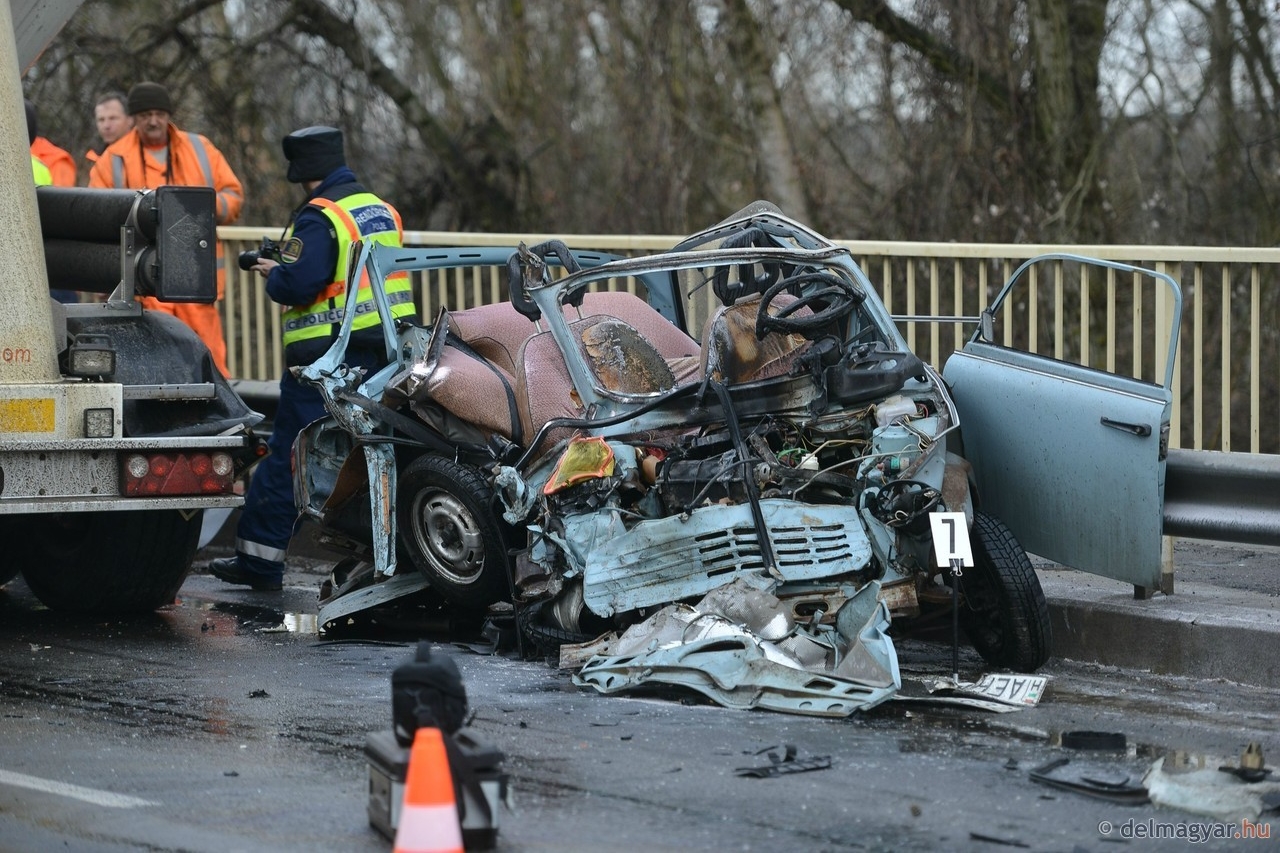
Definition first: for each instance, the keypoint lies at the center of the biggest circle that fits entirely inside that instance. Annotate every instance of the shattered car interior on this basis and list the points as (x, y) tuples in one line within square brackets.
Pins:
[(712, 467)]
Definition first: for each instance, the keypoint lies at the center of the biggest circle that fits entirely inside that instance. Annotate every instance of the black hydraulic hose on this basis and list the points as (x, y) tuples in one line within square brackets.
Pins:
[(749, 480), (87, 267), (92, 215)]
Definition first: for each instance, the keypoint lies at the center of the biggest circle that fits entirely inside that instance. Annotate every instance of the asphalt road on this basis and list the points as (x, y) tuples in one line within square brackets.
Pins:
[(228, 724)]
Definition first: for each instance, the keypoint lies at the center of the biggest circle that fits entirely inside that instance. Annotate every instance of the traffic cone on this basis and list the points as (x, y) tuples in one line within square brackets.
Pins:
[(429, 817)]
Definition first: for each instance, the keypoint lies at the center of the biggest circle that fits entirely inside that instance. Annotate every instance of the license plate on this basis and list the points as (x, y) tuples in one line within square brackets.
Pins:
[(1010, 689)]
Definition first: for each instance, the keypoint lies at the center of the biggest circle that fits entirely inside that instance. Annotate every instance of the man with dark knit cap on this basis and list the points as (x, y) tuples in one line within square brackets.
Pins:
[(156, 153), (310, 281)]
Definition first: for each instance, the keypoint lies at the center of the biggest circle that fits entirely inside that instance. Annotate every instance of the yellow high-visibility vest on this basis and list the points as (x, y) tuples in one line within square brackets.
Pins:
[(360, 216), (44, 178)]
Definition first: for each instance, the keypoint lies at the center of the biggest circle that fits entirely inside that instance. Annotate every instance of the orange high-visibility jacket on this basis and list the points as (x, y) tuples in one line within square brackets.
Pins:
[(193, 162), (58, 160)]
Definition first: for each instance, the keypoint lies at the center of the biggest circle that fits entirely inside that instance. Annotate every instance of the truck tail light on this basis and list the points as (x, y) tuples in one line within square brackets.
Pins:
[(162, 474)]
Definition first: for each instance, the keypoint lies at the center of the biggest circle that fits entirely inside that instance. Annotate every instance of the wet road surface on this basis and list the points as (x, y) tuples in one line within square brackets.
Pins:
[(225, 723)]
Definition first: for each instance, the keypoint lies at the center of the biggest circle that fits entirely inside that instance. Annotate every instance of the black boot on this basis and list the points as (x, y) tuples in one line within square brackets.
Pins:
[(229, 569)]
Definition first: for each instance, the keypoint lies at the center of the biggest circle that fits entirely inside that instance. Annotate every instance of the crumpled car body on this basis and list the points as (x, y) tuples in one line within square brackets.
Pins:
[(610, 443)]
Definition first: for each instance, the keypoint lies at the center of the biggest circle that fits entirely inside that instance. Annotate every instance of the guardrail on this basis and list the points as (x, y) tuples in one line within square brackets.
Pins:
[(1226, 497), (1230, 332)]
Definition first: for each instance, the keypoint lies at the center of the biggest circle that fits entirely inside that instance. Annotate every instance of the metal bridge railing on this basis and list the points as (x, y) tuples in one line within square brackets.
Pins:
[(1225, 380)]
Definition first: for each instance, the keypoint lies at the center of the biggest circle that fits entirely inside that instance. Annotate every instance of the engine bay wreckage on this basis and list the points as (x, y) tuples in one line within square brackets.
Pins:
[(712, 467)]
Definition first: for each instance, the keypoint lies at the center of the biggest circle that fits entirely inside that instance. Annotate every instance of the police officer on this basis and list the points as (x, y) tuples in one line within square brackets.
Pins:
[(310, 282)]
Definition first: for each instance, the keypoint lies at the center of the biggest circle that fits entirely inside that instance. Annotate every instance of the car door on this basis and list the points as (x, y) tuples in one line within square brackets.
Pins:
[(1070, 457)]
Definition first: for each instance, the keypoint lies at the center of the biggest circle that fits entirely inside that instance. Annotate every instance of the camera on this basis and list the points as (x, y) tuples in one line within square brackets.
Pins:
[(269, 249)]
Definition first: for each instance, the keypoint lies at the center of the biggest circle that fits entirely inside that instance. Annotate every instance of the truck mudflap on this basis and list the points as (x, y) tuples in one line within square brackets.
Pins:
[(171, 387)]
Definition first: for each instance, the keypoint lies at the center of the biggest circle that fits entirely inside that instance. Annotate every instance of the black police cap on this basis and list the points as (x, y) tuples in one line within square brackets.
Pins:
[(313, 153)]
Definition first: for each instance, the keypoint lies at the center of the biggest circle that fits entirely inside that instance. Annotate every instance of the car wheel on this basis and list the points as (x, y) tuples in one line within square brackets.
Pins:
[(107, 562), (1003, 610), (449, 531)]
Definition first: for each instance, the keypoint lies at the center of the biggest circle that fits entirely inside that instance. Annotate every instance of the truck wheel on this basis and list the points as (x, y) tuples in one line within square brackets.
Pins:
[(107, 562), (450, 532), (12, 529), (1003, 610)]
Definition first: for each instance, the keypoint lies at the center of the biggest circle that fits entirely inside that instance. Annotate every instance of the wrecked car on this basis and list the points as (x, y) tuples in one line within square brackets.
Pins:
[(610, 444)]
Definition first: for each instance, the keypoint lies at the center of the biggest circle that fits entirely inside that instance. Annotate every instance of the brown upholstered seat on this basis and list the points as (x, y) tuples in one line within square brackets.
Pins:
[(476, 391), (494, 331), (731, 352)]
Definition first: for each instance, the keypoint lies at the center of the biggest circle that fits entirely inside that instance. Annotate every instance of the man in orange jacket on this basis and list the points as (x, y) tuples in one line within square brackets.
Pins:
[(156, 153)]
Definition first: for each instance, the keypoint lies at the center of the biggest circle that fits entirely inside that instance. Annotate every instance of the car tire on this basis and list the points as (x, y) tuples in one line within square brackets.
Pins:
[(107, 562), (449, 530), (1004, 612), (543, 637)]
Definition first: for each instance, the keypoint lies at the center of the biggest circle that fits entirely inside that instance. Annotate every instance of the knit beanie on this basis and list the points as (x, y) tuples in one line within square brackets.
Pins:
[(313, 153), (149, 96), (32, 130)]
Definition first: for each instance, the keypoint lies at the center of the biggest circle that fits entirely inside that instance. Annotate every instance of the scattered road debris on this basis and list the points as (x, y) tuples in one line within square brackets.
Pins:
[(999, 693), (785, 763), (1252, 765), (1106, 782), (1210, 792), (767, 660)]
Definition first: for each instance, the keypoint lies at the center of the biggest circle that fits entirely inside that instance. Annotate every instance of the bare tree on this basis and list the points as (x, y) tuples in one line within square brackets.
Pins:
[(1071, 120)]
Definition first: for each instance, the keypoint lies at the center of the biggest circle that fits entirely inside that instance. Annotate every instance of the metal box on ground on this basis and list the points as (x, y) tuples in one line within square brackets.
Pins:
[(480, 782)]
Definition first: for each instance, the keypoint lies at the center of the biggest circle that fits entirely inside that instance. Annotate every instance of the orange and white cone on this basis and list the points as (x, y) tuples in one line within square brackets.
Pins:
[(429, 818)]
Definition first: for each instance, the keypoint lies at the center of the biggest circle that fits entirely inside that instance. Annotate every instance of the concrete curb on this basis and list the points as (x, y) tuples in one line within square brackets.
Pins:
[(1200, 631)]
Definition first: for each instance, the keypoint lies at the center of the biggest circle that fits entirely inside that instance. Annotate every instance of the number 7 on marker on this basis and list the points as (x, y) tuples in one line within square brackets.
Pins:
[(951, 538)]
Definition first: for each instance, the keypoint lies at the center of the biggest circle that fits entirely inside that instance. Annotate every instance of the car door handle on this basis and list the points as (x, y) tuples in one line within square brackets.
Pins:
[(1136, 429)]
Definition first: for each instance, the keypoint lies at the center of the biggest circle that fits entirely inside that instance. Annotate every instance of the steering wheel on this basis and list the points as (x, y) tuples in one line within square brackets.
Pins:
[(834, 300)]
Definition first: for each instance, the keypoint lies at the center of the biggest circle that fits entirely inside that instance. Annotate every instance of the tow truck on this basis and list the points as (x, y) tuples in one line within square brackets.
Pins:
[(116, 430)]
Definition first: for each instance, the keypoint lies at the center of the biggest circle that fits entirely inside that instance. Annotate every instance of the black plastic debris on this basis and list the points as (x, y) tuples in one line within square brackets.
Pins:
[(992, 839), (783, 764), (1108, 741), (1105, 783)]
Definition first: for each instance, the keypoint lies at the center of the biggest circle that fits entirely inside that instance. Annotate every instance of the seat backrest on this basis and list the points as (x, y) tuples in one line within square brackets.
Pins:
[(496, 332), (731, 353), (668, 339), (544, 390), (621, 359), (477, 391)]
